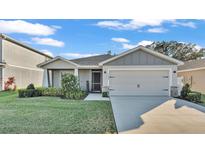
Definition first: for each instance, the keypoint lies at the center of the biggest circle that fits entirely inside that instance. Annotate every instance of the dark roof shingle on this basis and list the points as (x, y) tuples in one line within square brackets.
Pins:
[(192, 64), (94, 60)]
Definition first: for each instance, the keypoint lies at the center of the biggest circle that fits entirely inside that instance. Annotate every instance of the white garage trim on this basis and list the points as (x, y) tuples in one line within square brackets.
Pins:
[(146, 69)]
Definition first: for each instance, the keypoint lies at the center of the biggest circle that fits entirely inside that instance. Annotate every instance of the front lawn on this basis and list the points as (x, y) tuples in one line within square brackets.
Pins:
[(54, 115)]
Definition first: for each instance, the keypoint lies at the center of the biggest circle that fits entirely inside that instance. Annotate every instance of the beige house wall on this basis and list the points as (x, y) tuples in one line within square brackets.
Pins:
[(22, 64), (84, 76), (14, 54), (24, 76), (195, 78), (1, 79), (57, 76)]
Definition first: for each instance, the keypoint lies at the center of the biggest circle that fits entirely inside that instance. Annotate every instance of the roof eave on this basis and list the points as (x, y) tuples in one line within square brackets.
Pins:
[(54, 59)]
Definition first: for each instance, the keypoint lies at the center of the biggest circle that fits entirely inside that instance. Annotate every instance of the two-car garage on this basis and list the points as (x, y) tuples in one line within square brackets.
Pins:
[(140, 72), (139, 82)]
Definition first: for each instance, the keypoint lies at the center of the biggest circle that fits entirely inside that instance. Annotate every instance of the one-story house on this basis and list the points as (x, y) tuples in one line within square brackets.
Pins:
[(138, 71), (193, 73)]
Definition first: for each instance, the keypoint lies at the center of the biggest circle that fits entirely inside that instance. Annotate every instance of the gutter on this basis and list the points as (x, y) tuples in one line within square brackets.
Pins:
[(5, 37), (192, 69)]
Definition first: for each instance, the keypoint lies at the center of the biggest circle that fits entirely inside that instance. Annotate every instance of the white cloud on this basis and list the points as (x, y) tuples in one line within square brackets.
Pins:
[(157, 30), (144, 42), (131, 24), (20, 26), (137, 24), (47, 52), (110, 24), (130, 46), (48, 41), (198, 47), (121, 40), (56, 26), (78, 55), (184, 24)]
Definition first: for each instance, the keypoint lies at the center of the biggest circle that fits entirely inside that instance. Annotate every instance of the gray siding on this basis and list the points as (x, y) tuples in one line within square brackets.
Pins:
[(139, 58)]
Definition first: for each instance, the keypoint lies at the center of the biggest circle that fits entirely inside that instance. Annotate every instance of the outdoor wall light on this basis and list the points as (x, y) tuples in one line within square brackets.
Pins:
[(174, 71), (105, 72)]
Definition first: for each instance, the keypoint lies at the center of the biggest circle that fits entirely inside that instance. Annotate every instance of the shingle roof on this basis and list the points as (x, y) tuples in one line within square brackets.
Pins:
[(94, 60), (192, 64)]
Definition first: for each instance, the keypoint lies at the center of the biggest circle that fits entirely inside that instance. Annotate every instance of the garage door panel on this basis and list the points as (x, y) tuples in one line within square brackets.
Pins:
[(139, 93), (136, 81), (141, 73), (139, 82)]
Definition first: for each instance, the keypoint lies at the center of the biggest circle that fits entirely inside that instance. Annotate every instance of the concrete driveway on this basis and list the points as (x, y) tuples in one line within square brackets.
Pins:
[(157, 115)]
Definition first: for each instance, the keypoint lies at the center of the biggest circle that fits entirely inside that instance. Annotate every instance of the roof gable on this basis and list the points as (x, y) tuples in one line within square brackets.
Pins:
[(139, 58), (58, 62), (143, 49)]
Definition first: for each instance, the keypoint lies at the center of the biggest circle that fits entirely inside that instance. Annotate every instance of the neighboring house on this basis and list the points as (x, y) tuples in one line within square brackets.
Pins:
[(193, 72), (20, 61), (139, 71)]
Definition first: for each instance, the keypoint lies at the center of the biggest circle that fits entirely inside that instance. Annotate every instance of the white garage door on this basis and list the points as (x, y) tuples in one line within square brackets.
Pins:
[(142, 82)]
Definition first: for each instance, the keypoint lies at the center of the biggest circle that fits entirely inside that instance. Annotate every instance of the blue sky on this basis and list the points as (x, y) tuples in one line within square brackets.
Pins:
[(81, 38)]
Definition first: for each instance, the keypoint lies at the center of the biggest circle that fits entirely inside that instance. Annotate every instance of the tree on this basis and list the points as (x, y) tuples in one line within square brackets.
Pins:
[(179, 50)]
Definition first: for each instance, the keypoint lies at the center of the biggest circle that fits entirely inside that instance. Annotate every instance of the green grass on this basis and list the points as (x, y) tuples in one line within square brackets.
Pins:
[(42, 115)]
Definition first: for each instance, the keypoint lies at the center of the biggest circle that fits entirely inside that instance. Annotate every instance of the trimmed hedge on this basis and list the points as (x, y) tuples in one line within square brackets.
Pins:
[(194, 97), (75, 94), (70, 89), (29, 93), (51, 91), (39, 92)]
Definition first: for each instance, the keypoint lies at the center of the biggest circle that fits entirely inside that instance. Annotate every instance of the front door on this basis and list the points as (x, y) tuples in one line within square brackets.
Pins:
[(96, 81)]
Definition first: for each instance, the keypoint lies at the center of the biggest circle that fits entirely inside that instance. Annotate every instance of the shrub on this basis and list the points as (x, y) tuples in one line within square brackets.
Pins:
[(10, 84), (30, 86), (51, 91), (71, 88), (29, 93), (105, 94), (77, 94), (194, 97), (185, 90), (22, 92)]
